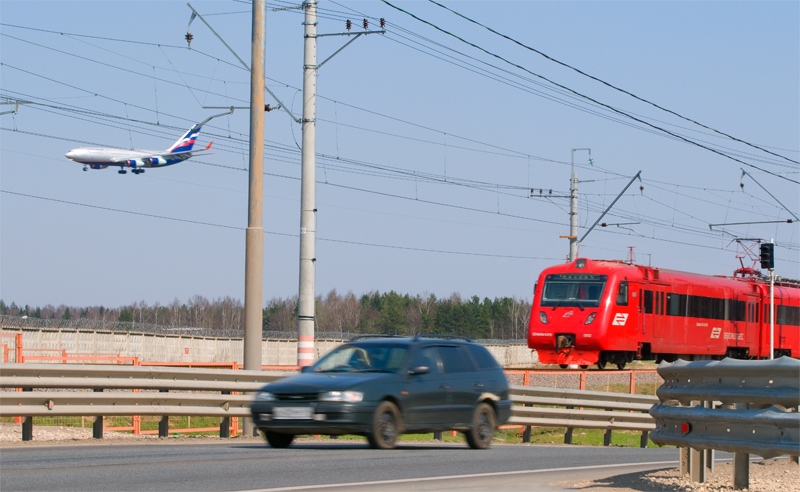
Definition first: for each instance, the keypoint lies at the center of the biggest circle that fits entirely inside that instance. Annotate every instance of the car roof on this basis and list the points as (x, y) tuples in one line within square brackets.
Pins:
[(382, 339)]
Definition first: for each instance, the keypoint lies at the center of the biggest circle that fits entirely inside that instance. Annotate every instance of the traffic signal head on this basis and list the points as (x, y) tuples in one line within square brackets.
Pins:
[(767, 256)]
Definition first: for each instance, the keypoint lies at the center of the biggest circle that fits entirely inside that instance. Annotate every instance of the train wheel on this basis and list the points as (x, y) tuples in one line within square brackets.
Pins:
[(620, 365), (601, 364), (563, 366), (584, 366)]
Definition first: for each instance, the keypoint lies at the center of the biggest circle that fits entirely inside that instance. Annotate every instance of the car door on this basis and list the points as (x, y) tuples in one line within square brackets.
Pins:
[(459, 384), (423, 395)]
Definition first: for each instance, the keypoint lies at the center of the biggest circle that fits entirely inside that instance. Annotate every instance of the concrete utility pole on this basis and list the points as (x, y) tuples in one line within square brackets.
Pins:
[(308, 210), (573, 208), (772, 309), (254, 238)]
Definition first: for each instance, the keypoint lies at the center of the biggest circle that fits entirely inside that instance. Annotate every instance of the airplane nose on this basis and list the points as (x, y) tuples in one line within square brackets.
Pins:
[(70, 154)]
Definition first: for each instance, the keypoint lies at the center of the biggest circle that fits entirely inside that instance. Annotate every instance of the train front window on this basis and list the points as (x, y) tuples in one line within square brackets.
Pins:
[(573, 290)]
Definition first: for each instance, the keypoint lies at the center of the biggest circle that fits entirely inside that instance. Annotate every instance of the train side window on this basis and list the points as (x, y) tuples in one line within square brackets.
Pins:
[(622, 293), (788, 315), (662, 310), (757, 312), (648, 302)]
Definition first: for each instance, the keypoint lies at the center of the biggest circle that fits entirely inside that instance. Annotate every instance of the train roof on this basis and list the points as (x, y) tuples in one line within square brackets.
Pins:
[(617, 267)]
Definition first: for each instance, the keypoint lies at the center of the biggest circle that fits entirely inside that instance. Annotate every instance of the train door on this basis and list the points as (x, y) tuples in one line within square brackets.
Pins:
[(748, 337)]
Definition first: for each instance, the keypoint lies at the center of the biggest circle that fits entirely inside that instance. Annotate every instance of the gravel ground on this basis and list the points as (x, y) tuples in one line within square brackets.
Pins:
[(779, 475)]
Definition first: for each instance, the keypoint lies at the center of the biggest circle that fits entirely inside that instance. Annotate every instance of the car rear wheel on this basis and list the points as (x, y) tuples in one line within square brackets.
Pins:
[(278, 440), (481, 433), (385, 426)]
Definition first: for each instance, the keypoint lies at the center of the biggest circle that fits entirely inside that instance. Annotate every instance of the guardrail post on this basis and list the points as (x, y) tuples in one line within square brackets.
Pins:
[(741, 463), (27, 422), (27, 428), (526, 434), (97, 426), (163, 424), (607, 435), (685, 462), (697, 462), (568, 432), (437, 436), (225, 423), (710, 452)]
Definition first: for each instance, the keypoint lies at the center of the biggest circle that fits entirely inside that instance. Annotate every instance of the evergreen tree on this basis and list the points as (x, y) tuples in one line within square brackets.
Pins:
[(38, 313), (125, 316), (3, 307), (66, 315)]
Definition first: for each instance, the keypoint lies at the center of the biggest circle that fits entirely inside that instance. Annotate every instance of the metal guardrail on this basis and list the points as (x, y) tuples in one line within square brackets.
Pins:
[(745, 407), (618, 411), (150, 385)]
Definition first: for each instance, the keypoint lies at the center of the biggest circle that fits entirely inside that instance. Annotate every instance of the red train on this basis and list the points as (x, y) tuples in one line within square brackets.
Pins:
[(610, 312)]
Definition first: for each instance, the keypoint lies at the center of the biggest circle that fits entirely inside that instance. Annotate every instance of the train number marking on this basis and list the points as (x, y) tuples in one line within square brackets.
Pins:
[(715, 332), (620, 319)]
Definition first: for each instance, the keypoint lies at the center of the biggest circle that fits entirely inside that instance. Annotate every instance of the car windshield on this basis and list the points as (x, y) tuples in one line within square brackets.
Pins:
[(573, 290), (363, 358)]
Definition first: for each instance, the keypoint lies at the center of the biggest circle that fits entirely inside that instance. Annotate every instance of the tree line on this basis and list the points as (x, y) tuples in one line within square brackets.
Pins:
[(386, 313)]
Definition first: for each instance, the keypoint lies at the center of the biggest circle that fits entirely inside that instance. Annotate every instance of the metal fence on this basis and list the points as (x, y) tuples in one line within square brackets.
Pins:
[(164, 393), (745, 407)]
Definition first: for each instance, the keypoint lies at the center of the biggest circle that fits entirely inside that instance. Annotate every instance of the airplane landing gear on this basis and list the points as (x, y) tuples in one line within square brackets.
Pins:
[(137, 171), (122, 171), (85, 168)]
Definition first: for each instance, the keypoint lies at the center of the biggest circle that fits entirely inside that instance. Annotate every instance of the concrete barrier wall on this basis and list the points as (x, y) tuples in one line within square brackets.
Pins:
[(181, 348)]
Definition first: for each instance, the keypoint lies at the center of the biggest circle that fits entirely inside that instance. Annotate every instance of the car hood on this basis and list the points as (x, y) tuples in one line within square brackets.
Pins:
[(329, 381)]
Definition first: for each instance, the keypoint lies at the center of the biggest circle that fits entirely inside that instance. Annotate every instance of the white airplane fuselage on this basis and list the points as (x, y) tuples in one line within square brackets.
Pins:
[(137, 160), (99, 158)]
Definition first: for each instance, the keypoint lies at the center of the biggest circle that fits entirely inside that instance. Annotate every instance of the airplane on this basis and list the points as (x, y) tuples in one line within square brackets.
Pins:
[(138, 160)]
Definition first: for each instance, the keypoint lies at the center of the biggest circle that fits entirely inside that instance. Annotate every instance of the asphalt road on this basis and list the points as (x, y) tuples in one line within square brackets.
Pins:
[(250, 466)]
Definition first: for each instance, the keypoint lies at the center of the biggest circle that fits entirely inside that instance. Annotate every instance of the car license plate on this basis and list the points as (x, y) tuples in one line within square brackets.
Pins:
[(292, 413)]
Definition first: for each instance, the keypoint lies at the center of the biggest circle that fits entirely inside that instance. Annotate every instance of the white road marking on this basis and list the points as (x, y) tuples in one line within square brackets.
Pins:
[(451, 477)]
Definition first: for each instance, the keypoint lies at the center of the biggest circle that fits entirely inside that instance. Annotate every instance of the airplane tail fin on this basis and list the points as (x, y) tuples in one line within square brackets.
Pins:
[(185, 143)]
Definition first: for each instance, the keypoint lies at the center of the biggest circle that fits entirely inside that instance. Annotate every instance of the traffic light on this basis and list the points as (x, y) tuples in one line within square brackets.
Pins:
[(767, 256)]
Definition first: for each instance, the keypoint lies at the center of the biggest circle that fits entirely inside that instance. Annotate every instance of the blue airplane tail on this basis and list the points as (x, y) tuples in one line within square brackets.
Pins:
[(185, 143)]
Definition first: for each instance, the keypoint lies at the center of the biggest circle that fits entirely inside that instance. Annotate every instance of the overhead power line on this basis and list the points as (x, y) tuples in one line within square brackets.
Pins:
[(211, 224), (609, 84), (623, 113)]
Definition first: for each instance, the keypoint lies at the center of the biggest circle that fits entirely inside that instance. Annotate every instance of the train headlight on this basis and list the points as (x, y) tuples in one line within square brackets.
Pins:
[(590, 319), (543, 317)]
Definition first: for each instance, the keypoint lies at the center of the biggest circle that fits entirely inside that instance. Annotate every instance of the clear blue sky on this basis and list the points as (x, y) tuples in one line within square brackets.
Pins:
[(398, 114)]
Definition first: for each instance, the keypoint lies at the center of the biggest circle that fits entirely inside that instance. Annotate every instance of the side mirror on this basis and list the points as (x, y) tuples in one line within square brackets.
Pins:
[(414, 371), (305, 369)]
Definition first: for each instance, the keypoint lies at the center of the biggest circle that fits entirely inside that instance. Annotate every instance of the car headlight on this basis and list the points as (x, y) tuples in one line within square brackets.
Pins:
[(265, 396), (543, 317), (590, 318), (348, 396)]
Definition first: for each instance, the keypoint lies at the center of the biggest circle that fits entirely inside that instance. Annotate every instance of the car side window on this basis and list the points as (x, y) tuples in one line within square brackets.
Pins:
[(482, 357), (427, 358), (454, 360)]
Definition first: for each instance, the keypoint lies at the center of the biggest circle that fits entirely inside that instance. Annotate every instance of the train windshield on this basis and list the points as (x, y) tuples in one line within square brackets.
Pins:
[(573, 290)]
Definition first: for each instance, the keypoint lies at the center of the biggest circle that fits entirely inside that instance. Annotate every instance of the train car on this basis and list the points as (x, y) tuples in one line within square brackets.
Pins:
[(611, 312)]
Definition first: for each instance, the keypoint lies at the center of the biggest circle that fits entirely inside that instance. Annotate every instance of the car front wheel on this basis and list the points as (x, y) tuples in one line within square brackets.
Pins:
[(278, 440), (385, 426), (481, 433)]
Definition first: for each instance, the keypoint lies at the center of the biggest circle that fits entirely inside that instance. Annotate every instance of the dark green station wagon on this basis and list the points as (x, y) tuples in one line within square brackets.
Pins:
[(387, 386)]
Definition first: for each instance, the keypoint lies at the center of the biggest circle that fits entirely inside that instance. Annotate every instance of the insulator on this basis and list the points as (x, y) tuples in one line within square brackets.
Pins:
[(741, 185), (603, 224), (189, 39), (348, 24), (641, 189), (383, 23), (366, 24), (551, 192), (541, 191)]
